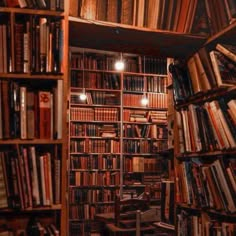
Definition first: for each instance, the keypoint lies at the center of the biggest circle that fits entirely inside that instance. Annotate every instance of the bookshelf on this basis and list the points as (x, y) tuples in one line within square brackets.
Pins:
[(115, 141), (205, 140), (32, 117)]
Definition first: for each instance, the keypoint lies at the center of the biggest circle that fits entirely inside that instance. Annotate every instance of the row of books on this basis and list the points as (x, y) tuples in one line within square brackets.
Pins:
[(84, 228), (78, 196), (143, 116), (94, 80), (204, 71), (27, 180), (141, 164), (155, 100), (95, 162), (153, 183), (37, 45), (53, 5), (211, 186), (94, 114), (175, 16), (207, 127), (29, 113), (34, 227), (220, 19), (192, 224), (143, 146), (94, 130), (155, 84), (87, 212), (145, 131), (83, 179), (95, 146), (135, 63), (97, 98)]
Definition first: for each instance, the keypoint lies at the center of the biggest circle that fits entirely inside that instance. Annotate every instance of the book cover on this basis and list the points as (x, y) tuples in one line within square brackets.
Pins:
[(224, 69), (228, 50), (30, 114), (34, 176), (44, 114), (5, 108), (23, 112), (3, 183)]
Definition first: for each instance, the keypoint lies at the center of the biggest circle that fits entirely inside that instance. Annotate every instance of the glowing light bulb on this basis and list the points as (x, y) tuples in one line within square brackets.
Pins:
[(144, 101), (119, 65), (82, 96)]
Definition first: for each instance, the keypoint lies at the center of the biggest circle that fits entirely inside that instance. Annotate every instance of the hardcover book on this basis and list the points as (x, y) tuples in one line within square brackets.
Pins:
[(224, 69)]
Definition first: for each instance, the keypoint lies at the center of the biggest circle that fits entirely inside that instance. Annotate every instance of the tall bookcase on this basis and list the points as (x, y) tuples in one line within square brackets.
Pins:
[(205, 139), (115, 141), (32, 119)]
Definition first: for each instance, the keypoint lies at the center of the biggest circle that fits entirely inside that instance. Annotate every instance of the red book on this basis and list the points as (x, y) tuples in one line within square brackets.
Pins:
[(44, 114), (12, 3)]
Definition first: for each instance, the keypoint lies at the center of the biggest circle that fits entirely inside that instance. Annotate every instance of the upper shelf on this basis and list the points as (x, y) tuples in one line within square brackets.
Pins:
[(227, 35), (131, 39)]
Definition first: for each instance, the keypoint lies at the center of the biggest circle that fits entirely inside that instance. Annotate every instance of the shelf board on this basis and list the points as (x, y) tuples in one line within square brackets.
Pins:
[(206, 154), (31, 76), (131, 39), (31, 11), (227, 35), (209, 95), (33, 209), (30, 141)]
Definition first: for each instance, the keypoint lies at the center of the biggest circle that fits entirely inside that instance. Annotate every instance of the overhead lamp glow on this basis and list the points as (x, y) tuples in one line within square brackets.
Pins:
[(83, 96), (144, 101), (119, 65)]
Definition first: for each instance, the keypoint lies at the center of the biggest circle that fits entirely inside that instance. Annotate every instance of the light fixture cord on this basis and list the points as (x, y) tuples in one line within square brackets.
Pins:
[(83, 74)]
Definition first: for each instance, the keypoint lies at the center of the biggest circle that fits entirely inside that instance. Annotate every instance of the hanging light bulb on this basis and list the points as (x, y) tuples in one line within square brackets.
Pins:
[(120, 65), (144, 100), (83, 95)]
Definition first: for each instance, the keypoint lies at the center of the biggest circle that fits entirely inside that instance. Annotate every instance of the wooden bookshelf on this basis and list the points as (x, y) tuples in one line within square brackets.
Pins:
[(24, 207)]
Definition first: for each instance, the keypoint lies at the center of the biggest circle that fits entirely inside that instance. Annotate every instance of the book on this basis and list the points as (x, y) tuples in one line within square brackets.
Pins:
[(231, 205), (30, 114), (206, 62), (57, 181), (194, 75), (44, 114), (101, 13), (88, 9), (24, 153), (34, 175), (127, 12), (224, 69), (5, 108), (12, 3), (1, 112), (138, 164), (3, 183), (23, 112), (203, 78), (140, 13), (228, 50)]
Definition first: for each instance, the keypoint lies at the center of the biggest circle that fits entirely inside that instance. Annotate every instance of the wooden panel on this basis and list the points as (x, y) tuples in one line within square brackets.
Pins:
[(123, 38)]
